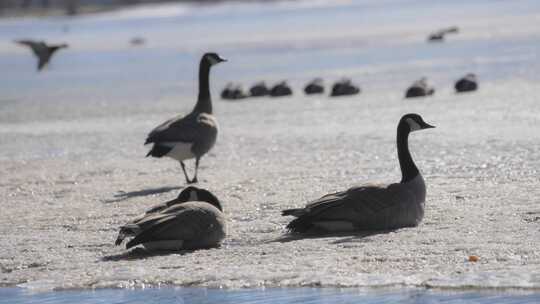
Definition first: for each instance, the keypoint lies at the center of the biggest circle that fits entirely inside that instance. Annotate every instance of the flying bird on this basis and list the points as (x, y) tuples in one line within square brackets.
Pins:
[(42, 50)]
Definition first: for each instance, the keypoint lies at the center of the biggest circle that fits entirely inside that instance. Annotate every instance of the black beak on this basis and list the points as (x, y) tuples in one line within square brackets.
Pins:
[(427, 126), (222, 59)]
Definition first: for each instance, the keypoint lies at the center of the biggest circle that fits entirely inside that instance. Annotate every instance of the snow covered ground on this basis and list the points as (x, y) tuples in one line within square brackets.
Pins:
[(72, 166)]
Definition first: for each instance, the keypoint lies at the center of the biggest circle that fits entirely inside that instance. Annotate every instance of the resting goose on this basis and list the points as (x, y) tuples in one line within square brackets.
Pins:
[(259, 89), (194, 220), (371, 207), (419, 88), (190, 136), (281, 89), (344, 87), (467, 84), (42, 51), (233, 92), (316, 86)]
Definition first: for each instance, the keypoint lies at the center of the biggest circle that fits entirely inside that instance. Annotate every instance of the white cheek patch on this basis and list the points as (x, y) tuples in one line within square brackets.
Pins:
[(213, 60), (193, 196), (413, 124)]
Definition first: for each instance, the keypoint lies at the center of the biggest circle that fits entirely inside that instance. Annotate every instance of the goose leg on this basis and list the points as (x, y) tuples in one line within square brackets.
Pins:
[(195, 180), (185, 173)]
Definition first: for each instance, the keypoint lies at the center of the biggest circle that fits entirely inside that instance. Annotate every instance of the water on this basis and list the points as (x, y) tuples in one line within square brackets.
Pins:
[(261, 296)]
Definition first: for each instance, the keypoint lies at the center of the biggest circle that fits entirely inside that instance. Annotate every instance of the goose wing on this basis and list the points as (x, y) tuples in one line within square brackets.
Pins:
[(150, 217), (188, 223), (356, 205), (36, 46), (184, 129)]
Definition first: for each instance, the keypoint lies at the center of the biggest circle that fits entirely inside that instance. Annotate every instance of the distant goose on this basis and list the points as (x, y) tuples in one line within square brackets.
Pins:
[(137, 41), (281, 89), (344, 87), (467, 84), (439, 35), (194, 220), (371, 207), (42, 51), (190, 136), (233, 92), (259, 89), (316, 86), (419, 88), (227, 91)]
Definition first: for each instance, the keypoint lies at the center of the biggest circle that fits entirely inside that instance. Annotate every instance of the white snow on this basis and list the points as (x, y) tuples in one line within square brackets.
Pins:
[(72, 166)]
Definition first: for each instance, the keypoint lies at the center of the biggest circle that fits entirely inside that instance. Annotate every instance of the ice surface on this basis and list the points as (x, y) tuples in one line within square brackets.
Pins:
[(72, 166)]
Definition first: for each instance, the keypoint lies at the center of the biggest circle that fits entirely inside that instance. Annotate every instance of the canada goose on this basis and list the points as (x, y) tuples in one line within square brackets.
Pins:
[(227, 91), (189, 194), (371, 207), (344, 87), (419, 88), (190, 136), (316, 86), (233, 92), (42, 50), (194, 224), (259, 89), (281, 89), (467, 83)]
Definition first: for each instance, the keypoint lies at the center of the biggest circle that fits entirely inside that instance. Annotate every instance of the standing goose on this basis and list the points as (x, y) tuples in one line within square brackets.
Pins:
[(371, 207), (42, 51), (192, 221), (190, 136)]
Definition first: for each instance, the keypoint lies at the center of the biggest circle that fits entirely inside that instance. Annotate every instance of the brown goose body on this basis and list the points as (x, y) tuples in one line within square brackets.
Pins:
[(191, 225), (191, 221), (371, 207)]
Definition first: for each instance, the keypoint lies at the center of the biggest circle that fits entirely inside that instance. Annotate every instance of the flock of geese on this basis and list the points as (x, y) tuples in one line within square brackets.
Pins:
[(195, 219), (343, 87)]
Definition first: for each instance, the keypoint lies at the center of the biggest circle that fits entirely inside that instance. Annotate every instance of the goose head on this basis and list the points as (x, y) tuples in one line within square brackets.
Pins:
[(414, 122), (191, 194), (212, 58)]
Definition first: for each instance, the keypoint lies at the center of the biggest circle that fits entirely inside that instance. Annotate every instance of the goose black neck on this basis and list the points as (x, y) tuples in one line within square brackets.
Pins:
[(408, 169), (204, 102)]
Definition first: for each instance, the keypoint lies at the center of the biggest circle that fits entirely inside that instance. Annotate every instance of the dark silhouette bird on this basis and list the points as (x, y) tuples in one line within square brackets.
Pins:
[(193, 220), (42, 50), (281, 89), (468, 83), (190, 136), (371, 207), (438, 36), (259, 89), (233, 92), (137, 41), (419, 88), (344, 87), (316, 86)]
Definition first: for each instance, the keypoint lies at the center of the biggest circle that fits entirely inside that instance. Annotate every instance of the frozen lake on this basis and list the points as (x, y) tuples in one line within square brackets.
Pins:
[(72, 166)]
